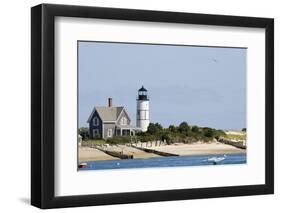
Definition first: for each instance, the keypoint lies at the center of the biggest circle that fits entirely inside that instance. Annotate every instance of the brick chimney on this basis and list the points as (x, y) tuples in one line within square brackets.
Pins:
[(109, 102)]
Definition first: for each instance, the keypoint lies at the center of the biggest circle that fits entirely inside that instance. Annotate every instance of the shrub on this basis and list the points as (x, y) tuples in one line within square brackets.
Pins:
[(119, 140), (84, 132), (219, 133), (172, 128), (195, 129), (146, 138), (208, 132), (167, 137)]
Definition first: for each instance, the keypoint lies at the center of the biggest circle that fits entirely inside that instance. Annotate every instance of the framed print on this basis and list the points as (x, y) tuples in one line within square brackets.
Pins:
[(136, 106)]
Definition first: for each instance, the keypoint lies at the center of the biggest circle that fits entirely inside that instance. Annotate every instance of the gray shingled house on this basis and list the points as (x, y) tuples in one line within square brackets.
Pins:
[(106, 122)]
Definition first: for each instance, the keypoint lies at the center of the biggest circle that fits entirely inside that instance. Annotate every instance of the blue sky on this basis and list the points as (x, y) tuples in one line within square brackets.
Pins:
[(204, 86)]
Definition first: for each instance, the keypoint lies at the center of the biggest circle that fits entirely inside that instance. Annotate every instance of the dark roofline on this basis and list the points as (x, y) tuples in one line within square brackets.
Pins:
[(142, 89)]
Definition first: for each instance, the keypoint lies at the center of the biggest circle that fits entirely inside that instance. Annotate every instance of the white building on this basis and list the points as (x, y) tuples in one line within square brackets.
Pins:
[(142, 109)]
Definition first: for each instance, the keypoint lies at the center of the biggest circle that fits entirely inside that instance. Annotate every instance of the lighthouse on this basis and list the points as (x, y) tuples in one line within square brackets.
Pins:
[(142, 109)]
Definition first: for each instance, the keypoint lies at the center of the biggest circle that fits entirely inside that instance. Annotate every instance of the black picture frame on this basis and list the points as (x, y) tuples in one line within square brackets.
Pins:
[(43, 105)]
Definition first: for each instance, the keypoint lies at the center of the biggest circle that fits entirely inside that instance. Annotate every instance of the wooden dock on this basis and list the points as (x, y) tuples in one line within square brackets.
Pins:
[(115, 153), (137, 153), (165, 154)]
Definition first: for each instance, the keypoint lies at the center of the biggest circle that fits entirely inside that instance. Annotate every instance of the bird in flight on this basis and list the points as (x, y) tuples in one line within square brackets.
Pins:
[(214, 60)]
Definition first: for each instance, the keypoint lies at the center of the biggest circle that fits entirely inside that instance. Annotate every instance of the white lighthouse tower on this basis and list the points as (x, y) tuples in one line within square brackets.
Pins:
[(142, 109)]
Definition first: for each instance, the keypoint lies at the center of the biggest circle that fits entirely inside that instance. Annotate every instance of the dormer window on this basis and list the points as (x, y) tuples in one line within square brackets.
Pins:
[(95, 121), (123, 121)]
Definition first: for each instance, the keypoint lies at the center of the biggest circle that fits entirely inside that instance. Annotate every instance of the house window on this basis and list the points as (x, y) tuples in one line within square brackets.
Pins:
[(109, 133), (95, 121), (123, 121), (96, 133)]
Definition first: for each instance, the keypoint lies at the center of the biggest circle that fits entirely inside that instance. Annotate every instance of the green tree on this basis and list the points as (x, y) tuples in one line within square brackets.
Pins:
[(172, 128), (184, 128), (158, 127), (195, 129), (154, 129), (208, 132), (84, 132), (244, 130)]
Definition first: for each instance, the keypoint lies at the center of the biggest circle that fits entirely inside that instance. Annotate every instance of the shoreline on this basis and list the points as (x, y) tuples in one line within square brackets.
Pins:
[(196, 155), (87, 154)]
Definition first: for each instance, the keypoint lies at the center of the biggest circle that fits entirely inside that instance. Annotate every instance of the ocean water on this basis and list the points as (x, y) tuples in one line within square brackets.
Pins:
[(196, 160)]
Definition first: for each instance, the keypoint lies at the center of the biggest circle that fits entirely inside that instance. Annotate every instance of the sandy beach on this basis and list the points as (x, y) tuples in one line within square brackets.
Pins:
[(199, 149), (92, 154)]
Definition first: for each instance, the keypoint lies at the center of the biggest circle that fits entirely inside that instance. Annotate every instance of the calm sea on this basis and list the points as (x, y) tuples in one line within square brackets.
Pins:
[(197, 160)]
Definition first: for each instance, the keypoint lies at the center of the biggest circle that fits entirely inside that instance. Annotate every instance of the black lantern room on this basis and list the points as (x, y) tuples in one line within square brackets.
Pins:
[(142, 94)]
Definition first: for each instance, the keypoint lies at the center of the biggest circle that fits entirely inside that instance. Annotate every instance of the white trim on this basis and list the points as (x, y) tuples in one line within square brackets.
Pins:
[(96, 133), (96, 121), (102, 131), (109, 133), (124, 109), (123, 121)]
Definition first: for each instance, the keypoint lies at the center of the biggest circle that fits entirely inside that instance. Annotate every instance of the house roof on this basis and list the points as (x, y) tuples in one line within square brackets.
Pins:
[(107, 114)]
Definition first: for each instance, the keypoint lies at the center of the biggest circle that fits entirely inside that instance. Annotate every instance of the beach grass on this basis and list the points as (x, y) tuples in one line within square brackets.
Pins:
[(93, 142), (242, 137)]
